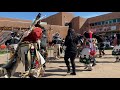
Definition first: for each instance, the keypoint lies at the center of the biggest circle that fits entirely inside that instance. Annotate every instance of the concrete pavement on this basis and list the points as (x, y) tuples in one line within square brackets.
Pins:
[(105, 68)]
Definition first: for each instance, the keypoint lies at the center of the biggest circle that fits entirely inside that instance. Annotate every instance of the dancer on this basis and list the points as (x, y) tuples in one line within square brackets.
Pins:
[(29, 55), (71, 42)]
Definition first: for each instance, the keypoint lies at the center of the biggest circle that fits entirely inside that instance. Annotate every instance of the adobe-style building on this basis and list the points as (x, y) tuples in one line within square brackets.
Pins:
[(9, 24), (59, 21), (14, 24), (107, 23)]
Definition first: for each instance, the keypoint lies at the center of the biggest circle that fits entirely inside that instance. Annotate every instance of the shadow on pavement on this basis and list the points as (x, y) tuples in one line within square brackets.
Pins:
[(51, 74), (56, 61), (75, 66), (58, 70), (50, 58), (107, 57), (104, 57), (63, 70), (105, 62), (17, 74)]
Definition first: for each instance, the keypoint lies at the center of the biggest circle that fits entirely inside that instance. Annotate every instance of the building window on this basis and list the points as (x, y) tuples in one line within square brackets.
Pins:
[(92, 24), (114, 20), (95, 24), (110, 21), (99, 23), (103, 22), (106, 22), (66, 23), (118, 20)]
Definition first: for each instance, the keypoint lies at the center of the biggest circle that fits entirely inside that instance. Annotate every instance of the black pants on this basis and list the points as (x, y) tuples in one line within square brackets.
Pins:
[(101, 48), (72, 57)]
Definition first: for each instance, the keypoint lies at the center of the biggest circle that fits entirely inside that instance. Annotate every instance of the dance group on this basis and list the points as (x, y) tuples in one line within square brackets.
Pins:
[(33, 51)]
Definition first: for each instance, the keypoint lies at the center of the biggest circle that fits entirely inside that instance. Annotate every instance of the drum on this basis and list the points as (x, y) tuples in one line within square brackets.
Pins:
[(93, 53), (85, 56), (116, 50)]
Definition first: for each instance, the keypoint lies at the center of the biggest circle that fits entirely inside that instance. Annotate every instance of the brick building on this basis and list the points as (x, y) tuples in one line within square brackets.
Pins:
[(14, 24), (52, 29), (107, 23), (59, 20)]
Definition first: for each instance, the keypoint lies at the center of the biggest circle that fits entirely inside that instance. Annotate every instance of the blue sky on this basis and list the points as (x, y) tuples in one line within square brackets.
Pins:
[(31, 15)]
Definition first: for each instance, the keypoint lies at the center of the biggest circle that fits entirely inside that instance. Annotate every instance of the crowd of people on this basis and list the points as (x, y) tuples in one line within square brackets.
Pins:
[(33, 51)]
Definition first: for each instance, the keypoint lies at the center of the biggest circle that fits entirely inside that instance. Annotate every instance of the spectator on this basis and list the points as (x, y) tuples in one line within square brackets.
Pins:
[(100, 40)]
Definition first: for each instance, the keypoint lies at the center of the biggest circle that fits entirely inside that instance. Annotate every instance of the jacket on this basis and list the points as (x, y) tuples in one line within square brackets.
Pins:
[(71, 45)]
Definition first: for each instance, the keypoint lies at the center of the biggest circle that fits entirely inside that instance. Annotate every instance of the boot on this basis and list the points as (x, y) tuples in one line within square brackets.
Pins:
[(100, 56), (93, 64), (86, 66), (73, 73), (44, 66), (89, 67), (117, 59), (68, 69), (103, 52), (5, 72)]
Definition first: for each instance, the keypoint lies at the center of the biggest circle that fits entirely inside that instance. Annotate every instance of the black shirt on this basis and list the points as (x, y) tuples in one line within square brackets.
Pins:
[(71, 45)]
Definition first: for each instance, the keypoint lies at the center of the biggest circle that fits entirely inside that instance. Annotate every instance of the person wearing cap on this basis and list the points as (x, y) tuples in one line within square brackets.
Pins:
[(57, 41)]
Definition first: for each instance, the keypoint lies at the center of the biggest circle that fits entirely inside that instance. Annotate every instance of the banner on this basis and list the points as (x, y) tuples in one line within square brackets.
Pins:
[(104, 29), (113, 27), (5, 28)]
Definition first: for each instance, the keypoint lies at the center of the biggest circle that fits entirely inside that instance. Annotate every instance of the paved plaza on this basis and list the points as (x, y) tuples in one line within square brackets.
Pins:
[(105, 68)]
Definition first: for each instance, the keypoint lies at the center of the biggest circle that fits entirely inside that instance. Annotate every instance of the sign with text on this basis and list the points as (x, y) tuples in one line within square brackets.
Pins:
[(113, 27), (5, 28)]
